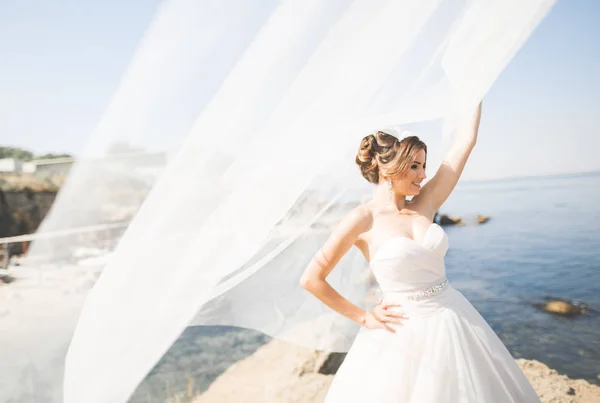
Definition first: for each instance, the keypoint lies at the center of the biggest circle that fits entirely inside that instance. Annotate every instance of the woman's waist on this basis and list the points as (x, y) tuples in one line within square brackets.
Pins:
[(414, 290), (425, 299)]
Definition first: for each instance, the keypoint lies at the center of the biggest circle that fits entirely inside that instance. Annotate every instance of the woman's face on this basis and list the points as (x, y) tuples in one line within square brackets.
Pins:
[(409, 183)]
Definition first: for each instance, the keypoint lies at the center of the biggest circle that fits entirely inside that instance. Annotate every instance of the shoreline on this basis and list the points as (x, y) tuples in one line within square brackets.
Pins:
[(280, 372)]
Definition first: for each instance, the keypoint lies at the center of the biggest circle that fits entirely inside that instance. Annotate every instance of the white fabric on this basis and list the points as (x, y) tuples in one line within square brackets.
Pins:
[(443, 352), (283, 91)]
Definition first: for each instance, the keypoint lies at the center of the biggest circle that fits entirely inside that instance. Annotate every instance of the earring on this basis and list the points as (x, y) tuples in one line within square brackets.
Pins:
[(389, 186)]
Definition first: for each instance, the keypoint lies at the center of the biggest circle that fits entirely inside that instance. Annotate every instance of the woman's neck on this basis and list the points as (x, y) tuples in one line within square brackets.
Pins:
[(382, 198)]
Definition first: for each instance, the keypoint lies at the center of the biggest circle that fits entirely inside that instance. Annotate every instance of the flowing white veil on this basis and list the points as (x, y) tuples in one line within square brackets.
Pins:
[(260, 107)]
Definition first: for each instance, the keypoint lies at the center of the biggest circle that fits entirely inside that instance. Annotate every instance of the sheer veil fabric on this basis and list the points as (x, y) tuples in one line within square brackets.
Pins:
[(263, 105)]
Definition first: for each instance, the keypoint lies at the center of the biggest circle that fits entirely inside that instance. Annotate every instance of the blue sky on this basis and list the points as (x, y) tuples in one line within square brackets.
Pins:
[(62, 62)]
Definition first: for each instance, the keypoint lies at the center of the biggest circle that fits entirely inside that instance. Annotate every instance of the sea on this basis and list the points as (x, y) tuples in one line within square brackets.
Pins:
[(542, 241)]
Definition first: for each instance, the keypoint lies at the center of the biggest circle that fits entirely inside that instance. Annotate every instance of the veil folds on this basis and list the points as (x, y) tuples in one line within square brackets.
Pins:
[(258, 109)]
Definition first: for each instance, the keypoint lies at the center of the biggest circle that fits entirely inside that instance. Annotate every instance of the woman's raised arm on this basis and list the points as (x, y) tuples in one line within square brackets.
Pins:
[(436, 191)]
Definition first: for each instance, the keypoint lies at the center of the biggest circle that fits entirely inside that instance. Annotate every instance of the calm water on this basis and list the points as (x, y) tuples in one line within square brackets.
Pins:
[(543, 239)]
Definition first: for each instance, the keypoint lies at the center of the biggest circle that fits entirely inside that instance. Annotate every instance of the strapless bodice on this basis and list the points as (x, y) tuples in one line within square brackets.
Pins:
[(405, 265)]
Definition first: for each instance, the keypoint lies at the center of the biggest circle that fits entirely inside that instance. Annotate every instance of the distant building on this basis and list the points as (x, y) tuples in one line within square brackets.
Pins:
[(10, 165), (28, 167), (52, 166), (146, 164)]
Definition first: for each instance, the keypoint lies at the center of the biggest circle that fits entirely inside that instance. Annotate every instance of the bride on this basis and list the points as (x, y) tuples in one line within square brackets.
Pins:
[(423, 342)]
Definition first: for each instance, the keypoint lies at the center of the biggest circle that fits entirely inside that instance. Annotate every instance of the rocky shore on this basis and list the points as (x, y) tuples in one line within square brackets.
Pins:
[(283, 373)]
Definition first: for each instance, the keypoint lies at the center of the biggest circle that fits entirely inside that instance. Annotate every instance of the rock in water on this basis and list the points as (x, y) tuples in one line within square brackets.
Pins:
[(482, 219), (447, 220), (561, 307)]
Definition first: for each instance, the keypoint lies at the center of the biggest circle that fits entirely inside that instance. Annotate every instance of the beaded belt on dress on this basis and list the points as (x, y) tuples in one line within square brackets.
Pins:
[(429, 292)]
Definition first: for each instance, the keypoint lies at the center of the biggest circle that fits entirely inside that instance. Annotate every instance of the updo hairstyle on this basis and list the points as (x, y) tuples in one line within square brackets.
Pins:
[(382, 155)]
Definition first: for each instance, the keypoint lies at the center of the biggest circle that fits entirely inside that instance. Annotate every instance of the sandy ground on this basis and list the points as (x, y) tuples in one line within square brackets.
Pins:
[(282, 373)]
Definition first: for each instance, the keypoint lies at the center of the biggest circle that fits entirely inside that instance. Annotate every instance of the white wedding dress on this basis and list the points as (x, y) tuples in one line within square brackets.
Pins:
[(444, 353)]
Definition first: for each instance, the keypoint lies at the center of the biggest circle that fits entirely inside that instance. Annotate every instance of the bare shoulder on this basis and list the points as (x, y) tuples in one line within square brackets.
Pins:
[(348, 231), (357, 220)]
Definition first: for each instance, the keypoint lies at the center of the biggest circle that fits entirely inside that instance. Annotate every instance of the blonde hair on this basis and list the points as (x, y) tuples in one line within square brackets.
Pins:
[(383, 155)]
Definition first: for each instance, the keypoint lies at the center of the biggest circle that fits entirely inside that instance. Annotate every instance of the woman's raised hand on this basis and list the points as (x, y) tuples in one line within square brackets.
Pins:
[(381, 315)]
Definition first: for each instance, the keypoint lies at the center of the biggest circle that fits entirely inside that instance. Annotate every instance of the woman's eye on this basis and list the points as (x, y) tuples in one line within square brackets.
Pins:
[(414, 167)]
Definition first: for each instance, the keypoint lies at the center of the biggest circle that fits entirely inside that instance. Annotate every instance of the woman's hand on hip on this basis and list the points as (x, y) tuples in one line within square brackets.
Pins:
[(381, 316)]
